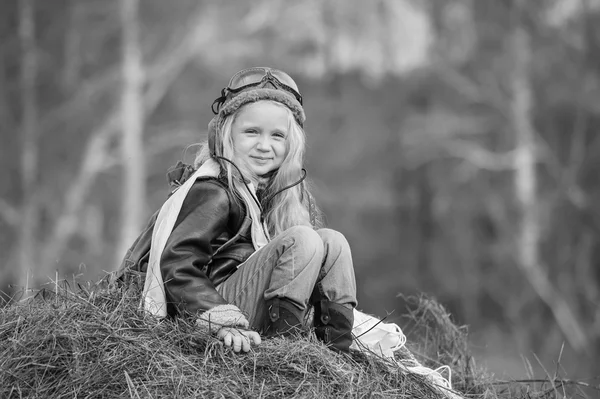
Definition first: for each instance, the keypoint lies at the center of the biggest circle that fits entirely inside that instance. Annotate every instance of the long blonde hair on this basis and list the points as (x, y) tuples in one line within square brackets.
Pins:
[(281, 209)]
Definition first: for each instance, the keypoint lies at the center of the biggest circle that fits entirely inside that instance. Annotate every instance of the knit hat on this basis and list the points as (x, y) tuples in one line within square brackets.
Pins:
[(252, 85)]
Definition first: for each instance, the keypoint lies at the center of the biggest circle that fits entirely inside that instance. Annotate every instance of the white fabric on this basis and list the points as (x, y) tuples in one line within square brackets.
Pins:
[(371, 333), (374, 336), (153, 295), (259, 231)]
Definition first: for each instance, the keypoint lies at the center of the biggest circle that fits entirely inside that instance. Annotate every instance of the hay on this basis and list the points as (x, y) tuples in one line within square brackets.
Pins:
[(435, 340), (93, 342)]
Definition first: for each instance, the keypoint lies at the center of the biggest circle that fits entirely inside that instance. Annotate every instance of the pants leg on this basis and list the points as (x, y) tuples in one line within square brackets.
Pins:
[(287, 267), (337, 282)]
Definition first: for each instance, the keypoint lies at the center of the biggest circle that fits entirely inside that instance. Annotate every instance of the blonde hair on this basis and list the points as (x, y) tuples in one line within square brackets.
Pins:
[(286, 208)]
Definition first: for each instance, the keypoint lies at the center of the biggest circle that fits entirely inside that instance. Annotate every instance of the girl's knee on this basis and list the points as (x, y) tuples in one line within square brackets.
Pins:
[(306, 237), (333, 238)]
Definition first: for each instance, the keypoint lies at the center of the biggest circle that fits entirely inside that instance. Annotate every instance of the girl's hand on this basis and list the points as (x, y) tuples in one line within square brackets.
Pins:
[(239, 339)]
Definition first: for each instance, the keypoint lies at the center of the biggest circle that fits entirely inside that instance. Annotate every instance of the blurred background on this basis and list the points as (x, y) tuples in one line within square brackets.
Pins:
[(455, 143)]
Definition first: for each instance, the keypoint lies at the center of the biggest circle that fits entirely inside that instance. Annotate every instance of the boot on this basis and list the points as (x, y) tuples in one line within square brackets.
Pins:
[(284, 319), (333, 325)]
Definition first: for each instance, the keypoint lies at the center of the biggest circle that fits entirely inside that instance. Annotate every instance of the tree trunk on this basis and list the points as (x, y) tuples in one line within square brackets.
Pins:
[(72, 49), (425, 229), (528, 236), (132, 119), (9, 214), (29, 154)]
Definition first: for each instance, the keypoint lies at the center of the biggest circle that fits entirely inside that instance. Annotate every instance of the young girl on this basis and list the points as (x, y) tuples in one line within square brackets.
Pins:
[(245, 254)]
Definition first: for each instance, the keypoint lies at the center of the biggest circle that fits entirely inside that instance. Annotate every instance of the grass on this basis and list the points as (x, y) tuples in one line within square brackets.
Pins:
[(92, 341)]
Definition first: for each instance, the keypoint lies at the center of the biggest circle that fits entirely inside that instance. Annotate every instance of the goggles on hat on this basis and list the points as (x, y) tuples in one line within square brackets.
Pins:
[(257, 77)]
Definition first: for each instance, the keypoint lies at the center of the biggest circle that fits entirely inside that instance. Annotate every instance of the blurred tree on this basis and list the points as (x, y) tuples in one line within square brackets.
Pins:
[(132, 119), (71, 73), (28, 223), (9, 212), (529, 226)]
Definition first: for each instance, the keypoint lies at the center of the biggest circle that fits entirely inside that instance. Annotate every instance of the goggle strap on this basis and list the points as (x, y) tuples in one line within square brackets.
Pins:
[(219, 101)]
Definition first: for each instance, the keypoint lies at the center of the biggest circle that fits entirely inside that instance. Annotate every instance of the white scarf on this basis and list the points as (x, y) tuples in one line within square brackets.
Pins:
[(153, 296)]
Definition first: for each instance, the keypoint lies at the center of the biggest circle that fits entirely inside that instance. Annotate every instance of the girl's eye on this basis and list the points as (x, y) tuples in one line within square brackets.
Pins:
[(251, 131), (279, 135)]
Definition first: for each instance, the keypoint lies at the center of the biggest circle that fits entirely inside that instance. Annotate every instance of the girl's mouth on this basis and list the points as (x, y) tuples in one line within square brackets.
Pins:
[(260, 159)]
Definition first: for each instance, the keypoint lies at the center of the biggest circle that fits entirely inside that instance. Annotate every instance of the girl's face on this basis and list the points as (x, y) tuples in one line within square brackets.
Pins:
[(259, 133)]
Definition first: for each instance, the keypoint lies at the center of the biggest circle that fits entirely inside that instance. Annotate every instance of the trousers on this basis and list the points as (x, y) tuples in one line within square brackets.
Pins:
[(300, 265)]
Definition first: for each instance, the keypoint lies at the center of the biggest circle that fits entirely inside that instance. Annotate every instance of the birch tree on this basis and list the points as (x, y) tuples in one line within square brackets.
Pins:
[(73, 41), (132, 119), (9, 214), (29, 154), (528, 231)]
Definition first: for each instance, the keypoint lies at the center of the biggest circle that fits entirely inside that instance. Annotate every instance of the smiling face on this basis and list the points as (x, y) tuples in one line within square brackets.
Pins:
[(259, 133)]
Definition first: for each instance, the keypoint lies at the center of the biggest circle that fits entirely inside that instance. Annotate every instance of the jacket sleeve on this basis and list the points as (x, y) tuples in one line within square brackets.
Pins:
[(203, 217)]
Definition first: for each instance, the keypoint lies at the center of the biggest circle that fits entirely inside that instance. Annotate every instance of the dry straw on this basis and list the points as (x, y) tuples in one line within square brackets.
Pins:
[(93, 342)]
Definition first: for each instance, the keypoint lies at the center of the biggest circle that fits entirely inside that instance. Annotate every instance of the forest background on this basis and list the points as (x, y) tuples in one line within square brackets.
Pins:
[(455, 143)]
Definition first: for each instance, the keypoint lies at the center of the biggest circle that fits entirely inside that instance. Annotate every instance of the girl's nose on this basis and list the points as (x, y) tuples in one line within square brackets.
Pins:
[(263, 143)]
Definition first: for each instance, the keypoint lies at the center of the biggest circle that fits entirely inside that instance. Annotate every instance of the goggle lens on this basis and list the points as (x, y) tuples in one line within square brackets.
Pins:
[(256, 75)]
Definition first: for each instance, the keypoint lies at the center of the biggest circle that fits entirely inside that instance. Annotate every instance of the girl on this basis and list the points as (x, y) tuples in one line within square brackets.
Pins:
[(245, 253)]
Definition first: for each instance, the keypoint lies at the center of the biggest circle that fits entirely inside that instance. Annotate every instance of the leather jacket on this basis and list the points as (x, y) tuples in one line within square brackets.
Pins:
[(200, 253)]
